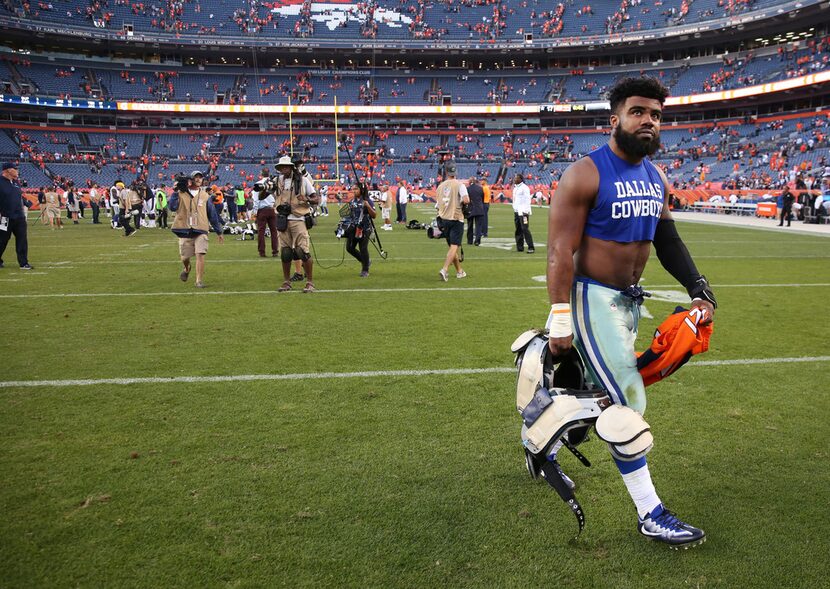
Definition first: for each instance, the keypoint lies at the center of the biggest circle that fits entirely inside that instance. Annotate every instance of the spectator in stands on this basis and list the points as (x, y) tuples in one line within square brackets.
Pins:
[(13, 216), (195, 216)]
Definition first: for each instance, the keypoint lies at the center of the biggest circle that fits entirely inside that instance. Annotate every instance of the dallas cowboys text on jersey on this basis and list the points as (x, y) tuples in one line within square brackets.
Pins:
[(629, 201)]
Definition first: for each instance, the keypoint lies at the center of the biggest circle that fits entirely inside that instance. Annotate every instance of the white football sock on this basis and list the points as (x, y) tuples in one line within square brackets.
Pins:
[(641, 490)]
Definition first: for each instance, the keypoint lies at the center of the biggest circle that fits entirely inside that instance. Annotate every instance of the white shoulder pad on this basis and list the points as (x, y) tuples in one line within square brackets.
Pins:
[(563, 410), (625, 431), (521, 342)]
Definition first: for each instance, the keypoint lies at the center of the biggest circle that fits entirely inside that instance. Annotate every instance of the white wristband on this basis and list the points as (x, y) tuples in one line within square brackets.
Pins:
[(559, 320)]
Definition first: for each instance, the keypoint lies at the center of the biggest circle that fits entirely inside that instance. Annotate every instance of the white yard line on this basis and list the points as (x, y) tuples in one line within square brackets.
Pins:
[(472, 259), (344, 375), (364, 290)]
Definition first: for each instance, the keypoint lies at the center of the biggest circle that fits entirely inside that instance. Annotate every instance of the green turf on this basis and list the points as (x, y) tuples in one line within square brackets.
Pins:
[(397, 481)]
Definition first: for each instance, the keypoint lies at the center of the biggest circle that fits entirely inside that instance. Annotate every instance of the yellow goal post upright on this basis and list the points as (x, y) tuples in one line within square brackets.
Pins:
[(336, 177)]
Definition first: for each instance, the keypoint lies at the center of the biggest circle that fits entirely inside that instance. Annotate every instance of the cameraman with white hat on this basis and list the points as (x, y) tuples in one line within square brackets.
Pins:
[(295, 195)]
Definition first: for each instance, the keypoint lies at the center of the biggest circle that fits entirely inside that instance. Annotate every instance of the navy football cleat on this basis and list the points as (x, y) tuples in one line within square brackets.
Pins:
[(661, 524)]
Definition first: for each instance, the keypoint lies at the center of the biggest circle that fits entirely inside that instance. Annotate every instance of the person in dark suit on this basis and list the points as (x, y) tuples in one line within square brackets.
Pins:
[(13, 216), (787, 207), (475, 221)]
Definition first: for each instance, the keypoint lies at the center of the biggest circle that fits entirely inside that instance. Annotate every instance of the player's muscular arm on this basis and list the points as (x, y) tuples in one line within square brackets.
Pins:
[(569, 208)]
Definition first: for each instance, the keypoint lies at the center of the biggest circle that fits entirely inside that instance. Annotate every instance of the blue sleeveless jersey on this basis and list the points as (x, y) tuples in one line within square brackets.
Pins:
[(629, 201)]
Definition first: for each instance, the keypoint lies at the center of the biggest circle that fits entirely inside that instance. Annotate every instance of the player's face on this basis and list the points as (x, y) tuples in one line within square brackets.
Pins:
[(637, 126)]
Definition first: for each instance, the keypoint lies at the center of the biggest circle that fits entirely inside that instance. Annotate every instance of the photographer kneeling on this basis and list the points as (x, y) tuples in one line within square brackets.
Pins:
[(195, 216), (295, 195), (359, 230)]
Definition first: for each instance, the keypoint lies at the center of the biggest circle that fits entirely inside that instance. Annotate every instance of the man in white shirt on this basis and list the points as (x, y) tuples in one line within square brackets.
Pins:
[(403, 198), (521, 214), (94, 204), (324, 200)]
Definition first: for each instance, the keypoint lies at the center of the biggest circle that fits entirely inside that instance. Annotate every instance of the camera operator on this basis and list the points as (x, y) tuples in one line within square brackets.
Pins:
[(130, 204), (450, 194), (359, 228), (195, 216), (295, 195), (266, 214)]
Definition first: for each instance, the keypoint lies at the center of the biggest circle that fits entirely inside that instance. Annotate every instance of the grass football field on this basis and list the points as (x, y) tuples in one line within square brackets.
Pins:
[(366, 466)]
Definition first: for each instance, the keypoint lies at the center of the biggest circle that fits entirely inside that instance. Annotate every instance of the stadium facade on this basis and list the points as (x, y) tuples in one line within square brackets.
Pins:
[(93, 91)]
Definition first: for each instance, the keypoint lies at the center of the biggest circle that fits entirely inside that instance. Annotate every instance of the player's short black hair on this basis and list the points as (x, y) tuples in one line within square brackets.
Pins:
[(646, 86)]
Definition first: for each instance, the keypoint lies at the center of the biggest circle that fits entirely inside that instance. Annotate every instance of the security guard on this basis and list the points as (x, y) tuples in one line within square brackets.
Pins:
[(295, 195)]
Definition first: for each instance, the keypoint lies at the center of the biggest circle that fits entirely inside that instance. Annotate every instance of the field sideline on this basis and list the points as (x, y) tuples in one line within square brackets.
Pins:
[(366, 435)]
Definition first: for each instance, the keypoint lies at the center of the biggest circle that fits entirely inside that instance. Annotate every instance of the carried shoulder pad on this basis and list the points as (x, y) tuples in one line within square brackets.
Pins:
[(564, 413), (523, 340), (530, 360), (625, 431)]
